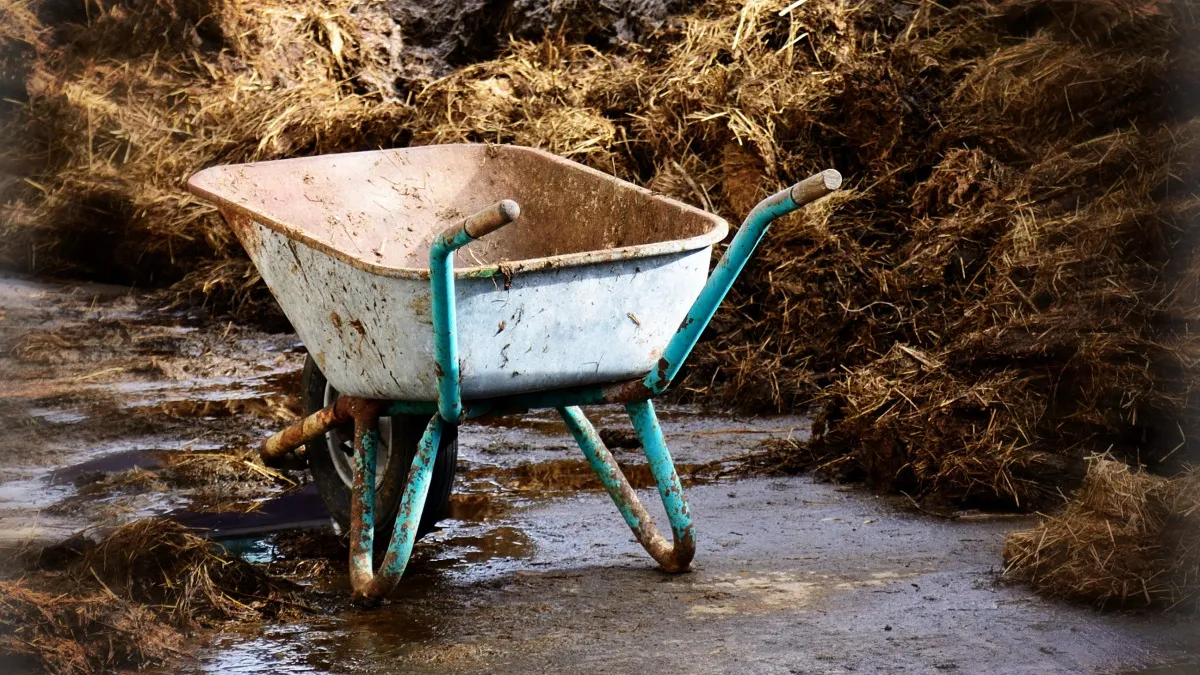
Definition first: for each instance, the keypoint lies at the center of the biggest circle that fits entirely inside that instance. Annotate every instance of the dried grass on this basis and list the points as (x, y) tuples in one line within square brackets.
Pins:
[(1003, 289), (1127, 540), (134, 97), (232, 471), (128, 600), (985, 305), (80, 634)]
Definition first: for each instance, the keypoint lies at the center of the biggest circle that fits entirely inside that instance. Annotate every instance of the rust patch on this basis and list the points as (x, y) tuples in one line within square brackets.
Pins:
[(627, 392), (362, 336), (243, 228), (660, 372), (277, 449)]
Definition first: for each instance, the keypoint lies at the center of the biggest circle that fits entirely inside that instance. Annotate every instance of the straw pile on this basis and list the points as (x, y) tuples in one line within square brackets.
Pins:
[(1127, 540), (80, 634), (985, 305), (127, 600), (127, 99), (993, 298)]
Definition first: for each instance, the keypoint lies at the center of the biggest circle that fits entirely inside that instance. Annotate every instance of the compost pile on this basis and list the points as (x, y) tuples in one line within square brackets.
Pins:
[(1004, 288), (997, 295)]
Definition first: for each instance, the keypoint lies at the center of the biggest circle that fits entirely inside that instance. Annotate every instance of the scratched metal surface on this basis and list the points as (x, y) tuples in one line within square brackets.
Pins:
[(586, 287), (372, 336)]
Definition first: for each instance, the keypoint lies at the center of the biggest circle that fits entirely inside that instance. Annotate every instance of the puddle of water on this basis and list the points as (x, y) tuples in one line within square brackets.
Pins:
[(561, 475), (275, 651), (53, 416), (499, 543), (31, 493), (255, 550), (115, 462), (298, 509), (477, 507)]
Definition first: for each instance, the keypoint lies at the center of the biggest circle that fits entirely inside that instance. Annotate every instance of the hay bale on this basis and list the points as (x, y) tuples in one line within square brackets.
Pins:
[(1126, 540)]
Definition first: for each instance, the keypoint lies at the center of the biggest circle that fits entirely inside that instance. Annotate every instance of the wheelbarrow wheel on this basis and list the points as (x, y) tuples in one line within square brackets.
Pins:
[(331, 459)]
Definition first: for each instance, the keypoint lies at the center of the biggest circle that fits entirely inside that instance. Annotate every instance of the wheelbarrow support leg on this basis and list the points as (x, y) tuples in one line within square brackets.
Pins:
[(368, 584), (673, 558)]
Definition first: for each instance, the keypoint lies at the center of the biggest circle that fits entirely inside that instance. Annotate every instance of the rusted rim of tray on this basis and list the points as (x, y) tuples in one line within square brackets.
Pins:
[(720, 228)]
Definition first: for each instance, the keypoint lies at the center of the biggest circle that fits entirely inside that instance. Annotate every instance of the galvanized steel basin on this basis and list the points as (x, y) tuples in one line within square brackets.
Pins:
[(586, 287)]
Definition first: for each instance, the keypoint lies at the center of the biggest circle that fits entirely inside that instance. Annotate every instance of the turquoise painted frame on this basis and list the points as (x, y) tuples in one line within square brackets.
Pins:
[(369, 584)]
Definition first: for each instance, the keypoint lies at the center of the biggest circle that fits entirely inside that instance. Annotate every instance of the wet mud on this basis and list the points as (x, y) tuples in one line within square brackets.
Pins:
[(116, 411), (116, 407)]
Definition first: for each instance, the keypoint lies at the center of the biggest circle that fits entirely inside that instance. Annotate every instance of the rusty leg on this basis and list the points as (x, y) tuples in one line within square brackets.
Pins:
[(368, 584), (673, 558)]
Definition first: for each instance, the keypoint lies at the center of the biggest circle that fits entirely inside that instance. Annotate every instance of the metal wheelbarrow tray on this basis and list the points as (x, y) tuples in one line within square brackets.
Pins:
[(460, 281)]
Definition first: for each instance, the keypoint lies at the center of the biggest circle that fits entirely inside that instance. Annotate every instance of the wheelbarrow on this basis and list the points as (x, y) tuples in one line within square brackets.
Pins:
[(438, 284)]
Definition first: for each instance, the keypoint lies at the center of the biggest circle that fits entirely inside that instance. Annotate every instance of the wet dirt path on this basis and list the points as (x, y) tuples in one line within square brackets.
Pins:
[(98, 380), (534, 571)]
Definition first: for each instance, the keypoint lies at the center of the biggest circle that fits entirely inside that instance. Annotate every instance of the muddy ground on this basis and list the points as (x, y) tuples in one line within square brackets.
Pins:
[(106, 393)]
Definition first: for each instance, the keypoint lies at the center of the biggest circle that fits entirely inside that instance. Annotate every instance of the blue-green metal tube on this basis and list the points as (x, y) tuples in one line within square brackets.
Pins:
[(369, 585), (412, 504), (645, 423), (719, 282), (441, 280), (727, 270), (602, 462), (410, 408), (445, 342), (674, 557), (362, 509)]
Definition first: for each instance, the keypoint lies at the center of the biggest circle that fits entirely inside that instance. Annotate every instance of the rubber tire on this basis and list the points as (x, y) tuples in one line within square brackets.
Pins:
[(406, 431)]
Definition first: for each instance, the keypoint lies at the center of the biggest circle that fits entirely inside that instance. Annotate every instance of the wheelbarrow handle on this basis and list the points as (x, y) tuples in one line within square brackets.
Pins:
[(814, 187), (441, 281), (753, 228), (478, 225)]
